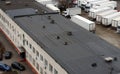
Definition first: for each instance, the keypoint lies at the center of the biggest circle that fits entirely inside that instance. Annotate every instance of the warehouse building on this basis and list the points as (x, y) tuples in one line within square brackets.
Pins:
[(52, 44)]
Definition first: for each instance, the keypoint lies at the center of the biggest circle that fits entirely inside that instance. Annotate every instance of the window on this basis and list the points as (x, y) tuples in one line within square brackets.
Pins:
[(55, 71), (26, 42), (7, 22), (46, 63), (0, 15), (30, 45), (10, 26), (37, 53), (26, 54), (41, 57), (23, 42), (41, 70), (33, 50), (50, 67), (45, 73), (34, 62), (15, 31), (37, 66), (30, 57)]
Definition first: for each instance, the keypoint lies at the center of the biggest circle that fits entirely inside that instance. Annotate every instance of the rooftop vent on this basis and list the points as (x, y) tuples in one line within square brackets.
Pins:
[(44, 27), (58, 37), (108, 59), (52, 21), (69, 33), (49, 17), (115, 58), (66, 43), (94, 65), (43, 11), (36, 10)]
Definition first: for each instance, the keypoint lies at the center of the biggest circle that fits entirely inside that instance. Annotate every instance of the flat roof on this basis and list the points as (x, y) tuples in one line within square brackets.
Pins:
[(76, 53), (19, 4)]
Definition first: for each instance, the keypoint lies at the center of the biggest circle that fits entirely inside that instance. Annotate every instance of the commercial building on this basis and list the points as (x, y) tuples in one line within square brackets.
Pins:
[(52, 44)]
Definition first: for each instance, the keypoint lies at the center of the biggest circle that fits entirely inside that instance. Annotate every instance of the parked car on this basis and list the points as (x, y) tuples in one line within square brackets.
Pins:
[(18, 66), (5, 67), (8, 54), (1, 57)]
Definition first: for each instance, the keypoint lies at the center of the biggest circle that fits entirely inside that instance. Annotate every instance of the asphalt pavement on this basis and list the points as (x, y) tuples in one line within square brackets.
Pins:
[(15, 57)]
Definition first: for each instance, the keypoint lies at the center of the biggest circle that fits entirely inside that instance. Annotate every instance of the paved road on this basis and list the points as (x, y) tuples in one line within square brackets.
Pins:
[(108, 34)]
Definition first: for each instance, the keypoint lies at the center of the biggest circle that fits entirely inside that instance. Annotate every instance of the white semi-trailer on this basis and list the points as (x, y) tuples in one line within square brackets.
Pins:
[(107, 20), (100, 15), (98, 2), (112, 4), (94, 12), (44, 2), (82, 3), (116, 22), (90, 5), (83, 22), (53, 7), (72, 11)]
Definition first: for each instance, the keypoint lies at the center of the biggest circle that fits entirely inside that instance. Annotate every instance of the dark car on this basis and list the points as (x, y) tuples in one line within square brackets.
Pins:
[(1, 57), (18, 66), (5, 67), (8, 54)]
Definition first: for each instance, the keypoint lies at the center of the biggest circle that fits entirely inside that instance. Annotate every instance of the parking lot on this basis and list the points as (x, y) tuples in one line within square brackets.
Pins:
[(107, 33), (15, 56)]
